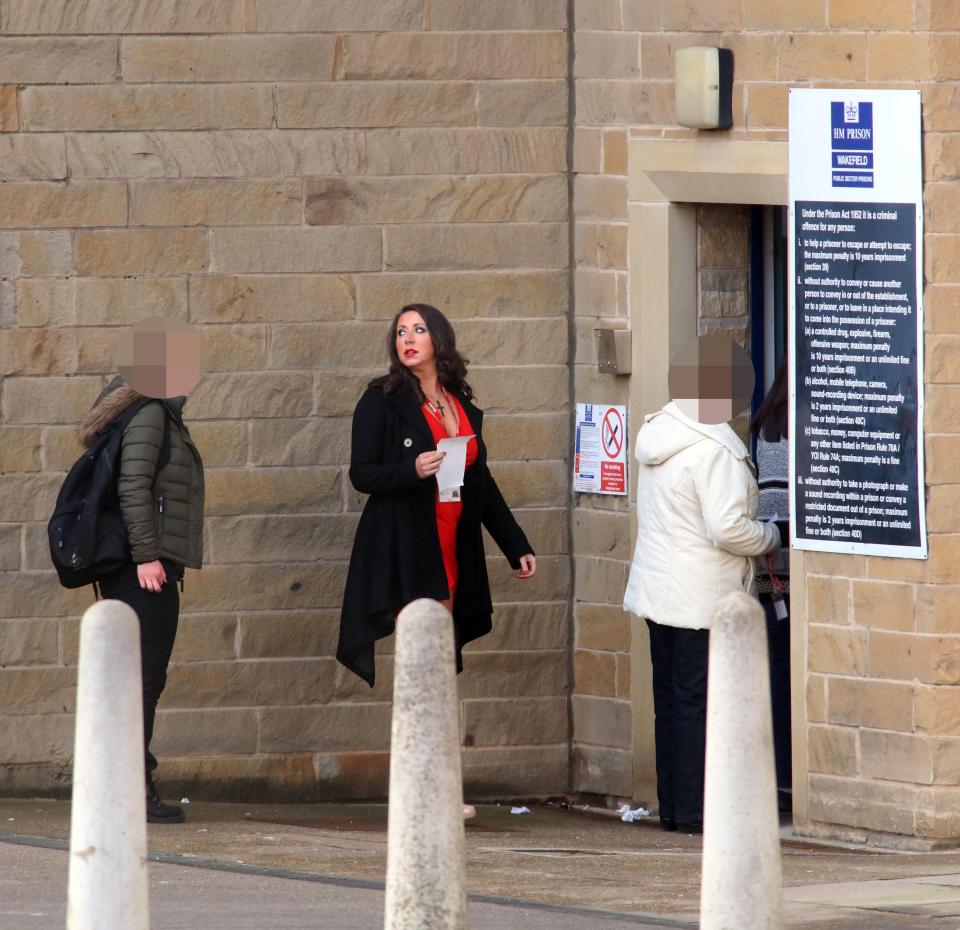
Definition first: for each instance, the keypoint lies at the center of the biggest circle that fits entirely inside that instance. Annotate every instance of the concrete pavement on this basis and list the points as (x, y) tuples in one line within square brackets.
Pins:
[(182, 898), (292, 866)]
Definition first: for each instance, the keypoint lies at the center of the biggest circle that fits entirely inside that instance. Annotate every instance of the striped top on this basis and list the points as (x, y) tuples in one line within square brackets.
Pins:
[(773, 477), (773, 473)]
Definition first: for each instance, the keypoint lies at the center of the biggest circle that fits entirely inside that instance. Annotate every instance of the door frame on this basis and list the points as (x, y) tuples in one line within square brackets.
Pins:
[(667, 179)]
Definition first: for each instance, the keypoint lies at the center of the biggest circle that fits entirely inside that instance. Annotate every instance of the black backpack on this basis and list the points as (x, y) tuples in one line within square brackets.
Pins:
[(87, 535)]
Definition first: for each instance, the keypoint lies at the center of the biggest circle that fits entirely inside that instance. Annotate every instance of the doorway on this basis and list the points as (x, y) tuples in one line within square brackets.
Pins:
[(668, 178), (768, 295)]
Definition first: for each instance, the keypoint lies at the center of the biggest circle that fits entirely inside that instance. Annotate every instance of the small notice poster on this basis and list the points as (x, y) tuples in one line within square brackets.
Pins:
[(600, 452), (856, 435)]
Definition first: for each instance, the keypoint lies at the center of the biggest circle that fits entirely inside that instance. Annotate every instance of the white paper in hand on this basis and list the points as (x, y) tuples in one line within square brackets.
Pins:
[(454, 463)]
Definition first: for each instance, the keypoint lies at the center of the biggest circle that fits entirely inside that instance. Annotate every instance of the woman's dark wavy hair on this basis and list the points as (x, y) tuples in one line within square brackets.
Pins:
[(771, 419), (451, 365)]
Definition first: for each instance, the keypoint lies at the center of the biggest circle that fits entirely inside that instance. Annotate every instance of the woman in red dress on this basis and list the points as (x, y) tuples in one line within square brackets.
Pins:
[(439, 414), (410, 543)]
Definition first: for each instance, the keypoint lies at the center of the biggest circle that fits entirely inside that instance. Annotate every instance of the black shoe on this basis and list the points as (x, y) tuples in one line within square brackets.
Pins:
[(690, 826), (668, 824), (158, 812)]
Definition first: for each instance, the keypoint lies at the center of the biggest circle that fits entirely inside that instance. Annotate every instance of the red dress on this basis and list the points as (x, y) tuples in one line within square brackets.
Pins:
[(448, 512)]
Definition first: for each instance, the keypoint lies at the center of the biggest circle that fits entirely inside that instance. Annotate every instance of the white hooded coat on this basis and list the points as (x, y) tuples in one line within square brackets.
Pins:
[(696, 508)]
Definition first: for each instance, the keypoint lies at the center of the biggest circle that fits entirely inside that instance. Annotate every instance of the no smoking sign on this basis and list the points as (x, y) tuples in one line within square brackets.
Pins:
[(612, 433), (600, 457)]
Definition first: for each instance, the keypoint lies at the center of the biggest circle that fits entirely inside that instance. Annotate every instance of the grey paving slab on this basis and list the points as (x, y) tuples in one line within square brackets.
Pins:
[(556, 869), (881, 895), (33, 883), (939, 880), (931, 896), (822, 917)]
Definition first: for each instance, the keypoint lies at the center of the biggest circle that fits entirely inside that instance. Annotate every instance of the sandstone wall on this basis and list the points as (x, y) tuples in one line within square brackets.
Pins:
[(606, 72), (877, 636), (284, 174)]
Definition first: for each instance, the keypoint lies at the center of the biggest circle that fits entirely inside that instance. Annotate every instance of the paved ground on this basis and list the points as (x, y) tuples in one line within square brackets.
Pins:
[(183, 898), (279, 867)]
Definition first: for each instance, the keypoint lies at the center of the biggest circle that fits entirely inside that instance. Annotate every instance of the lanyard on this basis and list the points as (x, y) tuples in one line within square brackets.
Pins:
[(774, 580)]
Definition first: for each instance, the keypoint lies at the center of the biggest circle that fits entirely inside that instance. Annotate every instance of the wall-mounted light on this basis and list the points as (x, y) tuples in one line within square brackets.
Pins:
[(703, 78)]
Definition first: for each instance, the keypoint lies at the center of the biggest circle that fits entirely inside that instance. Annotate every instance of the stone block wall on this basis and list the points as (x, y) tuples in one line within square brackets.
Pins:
[(723, 281), (284, 174), (621, 91), (606, 72), (877, 636), (723, 271)]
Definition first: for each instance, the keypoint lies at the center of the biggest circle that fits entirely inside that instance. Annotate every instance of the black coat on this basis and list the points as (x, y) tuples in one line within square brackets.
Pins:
[(396, 553)]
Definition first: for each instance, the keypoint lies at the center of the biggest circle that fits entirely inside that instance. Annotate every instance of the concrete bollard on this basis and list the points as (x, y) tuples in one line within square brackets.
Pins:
[(425, 836), (742, 884), (108, 827)]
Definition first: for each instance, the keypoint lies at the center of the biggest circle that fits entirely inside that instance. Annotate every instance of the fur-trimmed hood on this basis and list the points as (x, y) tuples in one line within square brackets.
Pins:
[(113, 400)]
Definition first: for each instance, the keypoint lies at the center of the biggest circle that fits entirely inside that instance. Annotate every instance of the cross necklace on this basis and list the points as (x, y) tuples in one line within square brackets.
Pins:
[(438, 410)]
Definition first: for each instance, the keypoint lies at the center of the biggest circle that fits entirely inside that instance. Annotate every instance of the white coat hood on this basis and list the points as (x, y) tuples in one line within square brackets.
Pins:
[(696, 520), (670, 430)]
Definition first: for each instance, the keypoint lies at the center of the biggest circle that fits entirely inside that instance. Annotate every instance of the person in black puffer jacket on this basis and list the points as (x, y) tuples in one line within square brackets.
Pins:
[(162, 508)]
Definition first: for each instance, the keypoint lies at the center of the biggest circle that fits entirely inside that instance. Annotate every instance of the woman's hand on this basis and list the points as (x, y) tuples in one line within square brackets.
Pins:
[(428, 463), (151, 575), (528, 566)]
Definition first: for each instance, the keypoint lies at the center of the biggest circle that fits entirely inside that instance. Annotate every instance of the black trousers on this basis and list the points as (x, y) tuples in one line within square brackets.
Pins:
[(680, 708), (158, 614), (778, 643)]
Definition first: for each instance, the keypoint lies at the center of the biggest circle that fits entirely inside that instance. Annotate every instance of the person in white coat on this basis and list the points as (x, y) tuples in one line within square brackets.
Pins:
[(696, 538)]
